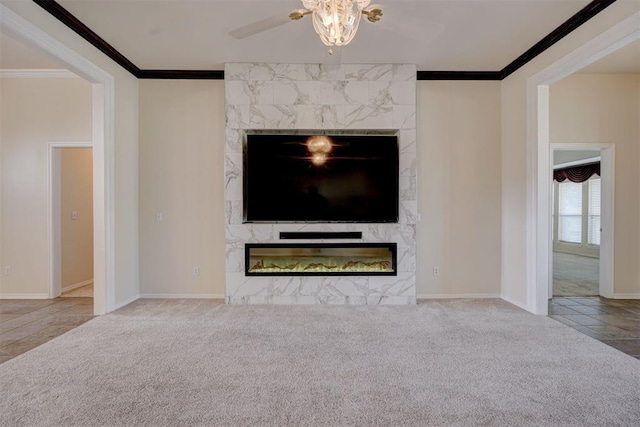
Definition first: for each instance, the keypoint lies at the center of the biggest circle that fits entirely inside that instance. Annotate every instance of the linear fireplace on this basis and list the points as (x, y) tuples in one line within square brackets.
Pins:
[(310, 259)]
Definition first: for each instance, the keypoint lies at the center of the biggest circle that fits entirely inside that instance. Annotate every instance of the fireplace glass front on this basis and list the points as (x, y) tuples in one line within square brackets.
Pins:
[(309, 259)]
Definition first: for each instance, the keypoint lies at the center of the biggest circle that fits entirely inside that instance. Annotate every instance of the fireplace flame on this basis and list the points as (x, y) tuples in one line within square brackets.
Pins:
[(320, 266)]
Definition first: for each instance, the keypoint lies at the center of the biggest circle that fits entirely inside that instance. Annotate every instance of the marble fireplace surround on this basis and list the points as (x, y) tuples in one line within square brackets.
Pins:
[(331, 99)]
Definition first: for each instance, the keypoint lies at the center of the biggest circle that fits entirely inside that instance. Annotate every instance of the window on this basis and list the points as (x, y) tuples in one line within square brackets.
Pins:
[(594, 212), (576, 212), (570, 212)]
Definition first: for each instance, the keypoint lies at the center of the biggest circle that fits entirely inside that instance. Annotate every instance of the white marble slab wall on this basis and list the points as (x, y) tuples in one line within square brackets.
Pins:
[(320, 97)]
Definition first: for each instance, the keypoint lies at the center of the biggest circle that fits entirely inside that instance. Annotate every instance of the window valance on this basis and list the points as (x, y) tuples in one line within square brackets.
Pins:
[(579, 173)]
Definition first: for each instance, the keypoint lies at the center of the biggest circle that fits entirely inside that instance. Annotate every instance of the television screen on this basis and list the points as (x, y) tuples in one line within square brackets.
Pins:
[(321, 178)]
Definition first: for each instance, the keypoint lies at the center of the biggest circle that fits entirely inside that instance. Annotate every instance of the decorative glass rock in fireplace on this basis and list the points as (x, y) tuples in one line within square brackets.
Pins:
[(321, 259)]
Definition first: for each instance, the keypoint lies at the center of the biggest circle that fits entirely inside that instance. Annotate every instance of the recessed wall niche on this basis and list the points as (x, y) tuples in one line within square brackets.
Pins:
[(346, 98)]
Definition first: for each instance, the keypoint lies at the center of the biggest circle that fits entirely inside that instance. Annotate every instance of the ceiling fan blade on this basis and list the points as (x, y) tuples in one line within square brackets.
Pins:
[(260, 26)]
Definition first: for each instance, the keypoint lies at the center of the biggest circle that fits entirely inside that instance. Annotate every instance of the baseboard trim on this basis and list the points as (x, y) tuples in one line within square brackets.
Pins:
[(77, 285), (126, 302), (626, 296), (183, 296), (516, 303), (24, 296), (451, 296)]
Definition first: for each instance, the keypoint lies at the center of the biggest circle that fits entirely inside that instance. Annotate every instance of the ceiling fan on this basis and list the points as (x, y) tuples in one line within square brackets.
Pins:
[(335, 21)]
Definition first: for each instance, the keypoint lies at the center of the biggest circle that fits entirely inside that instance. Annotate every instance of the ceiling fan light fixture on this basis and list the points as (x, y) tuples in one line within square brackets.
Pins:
[(336, 21), (373, 12)]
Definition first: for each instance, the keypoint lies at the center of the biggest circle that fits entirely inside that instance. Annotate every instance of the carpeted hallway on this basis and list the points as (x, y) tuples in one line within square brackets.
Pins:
[(195, 362)]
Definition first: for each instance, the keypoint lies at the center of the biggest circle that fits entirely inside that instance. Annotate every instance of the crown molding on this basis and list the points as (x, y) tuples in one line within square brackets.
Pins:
[(585, 14), (459, 75), (182, 74), (37, 74), (64, 16)]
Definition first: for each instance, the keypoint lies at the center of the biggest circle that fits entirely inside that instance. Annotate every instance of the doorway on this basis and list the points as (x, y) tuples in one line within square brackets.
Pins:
[(575, 223), (71, 216), (602, 227), (538, 194), (103, 146)]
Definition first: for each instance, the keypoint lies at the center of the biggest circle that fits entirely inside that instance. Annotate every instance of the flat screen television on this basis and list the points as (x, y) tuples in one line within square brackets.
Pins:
[(321, 178)]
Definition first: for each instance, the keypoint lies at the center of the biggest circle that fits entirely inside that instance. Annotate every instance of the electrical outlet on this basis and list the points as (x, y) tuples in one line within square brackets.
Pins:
[(74, 215), (436, 271), (7, 270), (196, 271), (159, 216)]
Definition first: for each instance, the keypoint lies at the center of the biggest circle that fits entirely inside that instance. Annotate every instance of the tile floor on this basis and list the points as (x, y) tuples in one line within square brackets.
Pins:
[(25, 324), (614, 322)]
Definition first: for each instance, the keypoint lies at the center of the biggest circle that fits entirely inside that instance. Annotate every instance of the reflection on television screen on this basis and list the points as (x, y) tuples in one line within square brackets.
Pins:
[(297, 178)]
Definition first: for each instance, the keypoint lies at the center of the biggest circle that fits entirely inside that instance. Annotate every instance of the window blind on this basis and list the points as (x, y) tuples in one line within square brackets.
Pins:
[(570, 212), (594, 212)]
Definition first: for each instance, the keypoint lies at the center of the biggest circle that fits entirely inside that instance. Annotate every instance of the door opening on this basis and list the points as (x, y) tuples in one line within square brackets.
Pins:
[(103, 142), (581, 218), (575, 223), (71, 219), (538, 230)]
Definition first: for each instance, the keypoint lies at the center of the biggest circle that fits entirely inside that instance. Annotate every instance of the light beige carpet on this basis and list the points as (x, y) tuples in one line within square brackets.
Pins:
[(575, 275), (443, 363)]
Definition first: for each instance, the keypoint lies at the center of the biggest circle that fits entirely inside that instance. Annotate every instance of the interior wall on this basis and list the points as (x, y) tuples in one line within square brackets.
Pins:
[(35, 112), (605, 108), (459, 188), (181, 175), (125, 221), (125, 148), (181, 154), (513, 155), (76, 230), (514, 148)]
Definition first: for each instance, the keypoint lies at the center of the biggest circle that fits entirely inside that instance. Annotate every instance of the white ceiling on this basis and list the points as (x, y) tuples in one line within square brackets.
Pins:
[(569, 156), (459, 35)]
